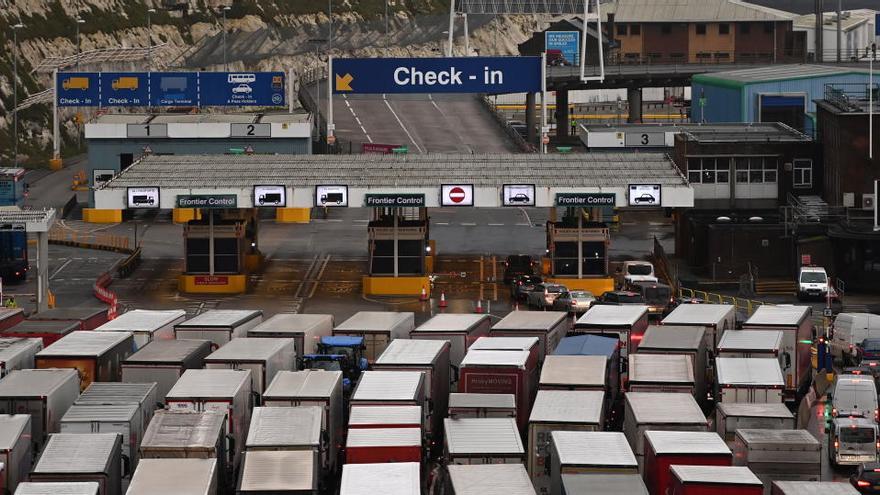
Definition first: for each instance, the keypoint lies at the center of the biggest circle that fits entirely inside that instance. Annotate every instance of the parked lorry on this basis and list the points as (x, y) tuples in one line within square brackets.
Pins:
[(693, 448), (146, 325), (124, 419), (596, 345), (288, 472), (812, 488), (464, 405), (369, 445), (661, 373), (306, 330), (548, 326), (391, 388), (72, 457), (483, 441), (95, 355), (178, 476), (9, 317), (732, 416), (88, 317), (748, 380), (471, 479), (796, 323), (575, 373), (53, 488), (852, 441), (529, 344), (399, 478), (18, 353), (590, 453), (502, 372), (48, 331), (342, 353), (385, 417), (682, 340), (786, 455), (290, 429), (659, 411), (700, 480), (218, 325), (378, 328), (752, 344), (143, 395), (628, 323), (603, 484), (715, 318), (264, 358), (44, 394), (163, 362), (460, 330), (16, 453)]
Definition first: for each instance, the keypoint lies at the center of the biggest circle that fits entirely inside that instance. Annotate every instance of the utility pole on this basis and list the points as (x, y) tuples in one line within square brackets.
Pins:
[(839, 31), (79, 20), (150, 39), (225, 62), (15, 29), (820, 31), (386, 17), (329, 26)]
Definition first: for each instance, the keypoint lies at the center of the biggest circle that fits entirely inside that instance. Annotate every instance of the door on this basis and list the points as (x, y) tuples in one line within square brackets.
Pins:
[(125, 159)]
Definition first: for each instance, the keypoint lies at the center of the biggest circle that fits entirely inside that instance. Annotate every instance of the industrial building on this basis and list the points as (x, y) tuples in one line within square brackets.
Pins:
[(856, 33)]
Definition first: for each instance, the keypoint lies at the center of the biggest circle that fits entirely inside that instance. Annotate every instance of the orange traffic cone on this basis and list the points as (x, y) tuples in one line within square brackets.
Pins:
[(424, 296), (442, 303), (479, 306)]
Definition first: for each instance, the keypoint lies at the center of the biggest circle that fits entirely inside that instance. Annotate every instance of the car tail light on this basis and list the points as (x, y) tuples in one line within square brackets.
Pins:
[(574, 302), (863, 483), (834, 412), (876, 414), (836, 444)]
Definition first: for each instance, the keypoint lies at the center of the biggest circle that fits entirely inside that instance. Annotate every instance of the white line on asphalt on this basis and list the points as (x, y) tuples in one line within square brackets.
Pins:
[(364, 130), (523, 225), (369, 138), (359, 122), (441, 223), (496, 224), (60, 268), (413, 141), (468, 224), (525, 214)]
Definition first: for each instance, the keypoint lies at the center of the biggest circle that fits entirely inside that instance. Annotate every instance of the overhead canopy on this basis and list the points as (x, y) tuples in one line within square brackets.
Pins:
[(32, 220), (554, 7)]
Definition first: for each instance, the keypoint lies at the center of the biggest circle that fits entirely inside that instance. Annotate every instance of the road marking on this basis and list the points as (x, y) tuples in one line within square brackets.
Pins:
[(60, 268), (496, 224), (453, 127), (413, 141), (358, 121), (441, 223), (525, 214), (468, 224), (523, 224)]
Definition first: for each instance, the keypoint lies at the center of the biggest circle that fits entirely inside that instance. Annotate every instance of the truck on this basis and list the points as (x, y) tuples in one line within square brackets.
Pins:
[(661, 373), (184, 476), (344, 353), (529, 344), (263, 357), (432, 358), (48, 332), (15, 450), (163, 362), (399, 478), (589, 453), (682, 340), (44, 394), (290, 472), (852, 441), (146, 325), (628, 323), (548, 326), (693, 448), (462, 405), (460, 330), (812, 488), (603, 484), (786, 455), (659, 411), (290, 429), (559, 410), (731, 416), (374, 445), (95, 355), (306, 330), (699, 480), (50, 488), (715, 318), (143, 395), (385, 417), (124, 419), (502, 372), (483, 441), (751, 344), (218, 325), (378, 328), (470, 479), (71, 457), (796, 323), (88, 317), (596, 345), (748, 380), (574, 373), (10, 317), (390, 388), (18, 353)]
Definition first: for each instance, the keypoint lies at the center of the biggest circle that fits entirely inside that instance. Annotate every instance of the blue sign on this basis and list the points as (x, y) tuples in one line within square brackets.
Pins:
[(124, 89), (174, 89), (78, 89), (563, 47), (242, 88), (437, 75)]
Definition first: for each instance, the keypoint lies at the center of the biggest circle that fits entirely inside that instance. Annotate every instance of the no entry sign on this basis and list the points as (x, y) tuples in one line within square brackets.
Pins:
[(457, 195)]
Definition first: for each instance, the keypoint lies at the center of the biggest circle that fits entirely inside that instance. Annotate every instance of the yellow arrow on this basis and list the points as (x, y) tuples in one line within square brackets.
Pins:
[(343, 83)]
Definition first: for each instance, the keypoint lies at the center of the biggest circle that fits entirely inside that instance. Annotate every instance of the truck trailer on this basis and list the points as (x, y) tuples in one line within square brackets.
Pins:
[(796, 323), (548, 326), (218, 325), (146, 325), (628, 323), (378, 328), (95, 355), (715, 318), (574, 373), (18, 353), (143, 395), (264, 358), (664, 449), (659, 411), (56, 488), (43, 394), (399, 478), (278, 472), (476, 479), (785, 455), (460, 330), (88, 317), (590, 453), (661, 373), (483, 441), (163, 362), (748, 380), (306, 330), (177, 476), (462, 405), (370, 445), (706, 480), (603, 484), (124, 419), (72, 457), (751, 344), (48, 331), (732, 416), (687, 340), (289, 429), (16, 454), (596, 345), (502, 372)]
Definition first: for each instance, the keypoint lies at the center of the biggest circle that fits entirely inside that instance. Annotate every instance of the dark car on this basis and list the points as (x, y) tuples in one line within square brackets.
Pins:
[(867, 368), (869, 350), (620, 298), (522, 285), (644, 198), (518, 264), (519, 198), (867, 478), (657, 295)]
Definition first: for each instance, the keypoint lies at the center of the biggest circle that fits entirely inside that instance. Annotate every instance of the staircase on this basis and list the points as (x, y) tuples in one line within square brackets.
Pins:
[(771, 287)]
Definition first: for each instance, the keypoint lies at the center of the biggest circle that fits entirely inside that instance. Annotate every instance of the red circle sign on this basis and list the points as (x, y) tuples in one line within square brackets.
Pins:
[(456, 194)]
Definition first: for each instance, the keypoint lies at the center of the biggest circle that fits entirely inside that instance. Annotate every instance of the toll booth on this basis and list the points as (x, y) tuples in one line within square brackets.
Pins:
[(400, 252), (220, 248), (577, 251)]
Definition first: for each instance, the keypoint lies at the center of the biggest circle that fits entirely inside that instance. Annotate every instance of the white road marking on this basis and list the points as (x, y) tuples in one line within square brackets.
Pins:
[(525, 214), (452, 127), (468, 224), (359, 122), (523, 224), (441, 223), (496, 224), (60, 268), (413, 141)]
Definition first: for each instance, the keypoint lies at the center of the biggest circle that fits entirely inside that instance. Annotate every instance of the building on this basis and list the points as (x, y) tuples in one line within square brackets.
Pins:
[(857, 33), (702, 31), (783, 93)]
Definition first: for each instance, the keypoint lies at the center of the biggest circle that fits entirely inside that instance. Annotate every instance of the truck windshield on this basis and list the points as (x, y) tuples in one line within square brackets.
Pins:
[(813, 278), (325, 365), (630, 299), (639, 269), (657, 295), (857, 435), (342, 351)]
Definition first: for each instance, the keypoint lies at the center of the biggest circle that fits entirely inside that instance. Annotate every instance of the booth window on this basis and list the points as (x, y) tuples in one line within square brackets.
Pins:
[(803, 173)]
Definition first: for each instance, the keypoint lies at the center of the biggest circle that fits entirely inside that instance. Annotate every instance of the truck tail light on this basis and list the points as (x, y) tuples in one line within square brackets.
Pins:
[(863, 483), (834, 412)]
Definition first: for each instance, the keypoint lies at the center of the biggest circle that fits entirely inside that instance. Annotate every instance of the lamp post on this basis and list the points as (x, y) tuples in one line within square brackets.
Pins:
[(317, 42), (329, 26), (79, 20), (15, 29), (224, 9), (150, 39)]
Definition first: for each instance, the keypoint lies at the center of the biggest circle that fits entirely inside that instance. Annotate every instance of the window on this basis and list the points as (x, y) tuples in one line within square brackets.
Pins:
[(701, 28), (666, 29), (755, 170), (745, 28), (621, 29), (724, 29), (709, 170), (635, 30), (803, 173)]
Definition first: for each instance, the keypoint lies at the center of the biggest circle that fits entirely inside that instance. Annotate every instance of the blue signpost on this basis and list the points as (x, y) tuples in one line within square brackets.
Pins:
[(124, 89), (242, 89), (78, 89), (563, 47), (174, 89), (491, 75)]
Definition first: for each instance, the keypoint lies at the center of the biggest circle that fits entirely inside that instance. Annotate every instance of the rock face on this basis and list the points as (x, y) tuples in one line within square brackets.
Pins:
[(261, 35)]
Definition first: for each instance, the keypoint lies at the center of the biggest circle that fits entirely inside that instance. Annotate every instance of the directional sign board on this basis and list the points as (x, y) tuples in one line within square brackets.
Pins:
[(457, 195), (270, 196), (174, 88), (394, 200), (242, 88), (124, 89), (586, 200), (518, 195), (437, 75), (644, 195), (331, 195), (143, 197), (78, 89)]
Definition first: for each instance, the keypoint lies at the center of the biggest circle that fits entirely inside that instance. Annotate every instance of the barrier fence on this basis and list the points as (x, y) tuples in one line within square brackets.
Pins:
[(90, 240), (740, 303)]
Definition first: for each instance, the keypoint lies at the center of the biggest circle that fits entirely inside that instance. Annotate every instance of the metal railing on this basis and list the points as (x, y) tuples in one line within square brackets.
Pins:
[(512, 133), (740, 303), (851, 97)]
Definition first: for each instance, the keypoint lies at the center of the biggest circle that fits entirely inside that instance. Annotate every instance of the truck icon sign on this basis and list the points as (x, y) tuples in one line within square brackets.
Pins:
[(125, 82), (178, 84), (270, 198), (337, 198), (142, 199), (75, 82)]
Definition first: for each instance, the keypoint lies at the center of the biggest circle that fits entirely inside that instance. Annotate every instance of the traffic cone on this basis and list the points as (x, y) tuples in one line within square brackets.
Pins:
[(479, 306), (442, 303), (424, 296)]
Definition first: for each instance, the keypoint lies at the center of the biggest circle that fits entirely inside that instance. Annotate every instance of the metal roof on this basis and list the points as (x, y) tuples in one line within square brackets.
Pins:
[(604, 484), (70, 313), (376, 321), (391, 478), (166, 351), (87, 413), (848, 21), (774, 316), (11, 347), (587, 345), (183, 430), (490, 479), (143, 320), (385, 415), (36, 383), (57, 488), (503, 344), (720, 475), (531, 320), (495, 358), (183, 476), (770, 439), (388, 385), (208, 384), (483, 436), (602, 315), (384, 437), (661, 368), (664, 408), (77, 453), (11, 428), (749, 410), (814, 488), (220, 317), (575, 370), (62, 327), (85, 343), (278, 471), (451, 322), (593, 448), (568, 406), (250, 349), (413, 352), (285, 427), (776, 132), (302, 384), (292, 323), (686, 442), (774, 73), (698, 314), (488, 401), (118, 393), (34, 220), (750, 340), (672, 337), (678, 11)]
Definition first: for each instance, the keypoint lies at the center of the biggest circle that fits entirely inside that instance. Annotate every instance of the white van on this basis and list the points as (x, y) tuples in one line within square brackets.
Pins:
[(638, 271), (855, 396), (849, 330), (812, 283)]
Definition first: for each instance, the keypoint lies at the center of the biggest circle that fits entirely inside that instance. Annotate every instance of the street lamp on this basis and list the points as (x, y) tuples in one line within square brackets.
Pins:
[(150, 39), (329, 25), (79, 20), (225, 9), (15, 29), (318, 42)]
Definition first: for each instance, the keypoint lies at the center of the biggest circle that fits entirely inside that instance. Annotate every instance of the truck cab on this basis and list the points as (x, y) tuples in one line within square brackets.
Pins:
[(339, 353), (657, 296), (852, 441), (638, 271), (812, 283)]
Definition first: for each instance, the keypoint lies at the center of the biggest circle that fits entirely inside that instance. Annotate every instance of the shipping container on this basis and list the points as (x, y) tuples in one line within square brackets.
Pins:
[(462, 405), (391, 388), (289, 428), (593, 452), (378, 328), (18, 353), (163, 361), (279, 472), (124, 419), (751, 344), (796, 323), (89, 317), (692, 448), (731, 416), (603, 484), (264, 358), (502, 372), (748, 380), (628, 323), (661, 373), (711, 480), (96, 356), (432, 358), (385, 417), (145, 324), (369, 445), (548, 326), (476, 479), (313, 388), (784, 455), (460, 330), (574, 373), (144, 395), (596, 345), (715, 318), (688, 340), (659, 411), (49, 331), (397, 478), (812, 488), (70, 457), (225, 391), (49, 488), (174, 476), (219, 325), (44, 394), (483, 441), (559, 410), (16, 454), (9, 317), (305, 330)]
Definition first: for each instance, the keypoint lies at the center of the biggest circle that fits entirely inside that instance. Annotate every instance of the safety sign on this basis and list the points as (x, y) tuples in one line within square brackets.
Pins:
[(457, 195), (518, 195), (331, 195), (270, 196), (143, 197), (644, 195)]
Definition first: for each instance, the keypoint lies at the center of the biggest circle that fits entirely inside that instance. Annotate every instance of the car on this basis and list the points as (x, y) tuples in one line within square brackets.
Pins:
[(867, 478), (519, 198), (868, 350), (812, 283), (644, 198), (621, 298), (243, 89), (543, 295), (518, 264), (522, 285), (575, 301)]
